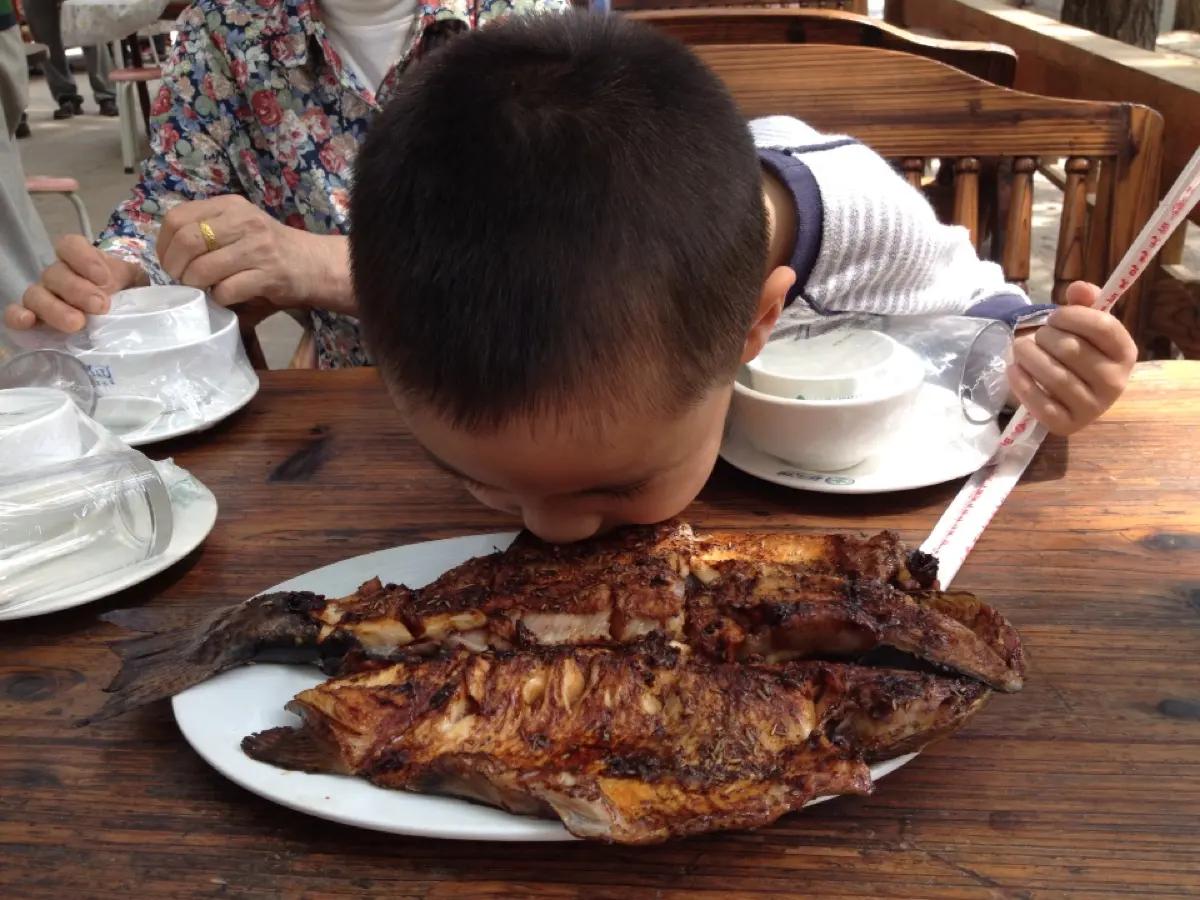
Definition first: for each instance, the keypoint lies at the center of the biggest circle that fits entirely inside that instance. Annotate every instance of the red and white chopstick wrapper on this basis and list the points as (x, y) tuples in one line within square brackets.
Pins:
[(964, 521)]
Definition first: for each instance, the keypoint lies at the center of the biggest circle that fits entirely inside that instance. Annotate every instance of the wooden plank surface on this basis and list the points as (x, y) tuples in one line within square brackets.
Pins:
[(1086, 784), (889, 100), (741, 25)]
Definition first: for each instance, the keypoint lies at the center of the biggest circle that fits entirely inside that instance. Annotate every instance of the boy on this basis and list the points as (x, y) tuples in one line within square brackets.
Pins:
[(565, 242)]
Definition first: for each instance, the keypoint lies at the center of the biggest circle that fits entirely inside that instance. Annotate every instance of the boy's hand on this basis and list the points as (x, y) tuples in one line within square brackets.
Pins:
[(1075, 367)]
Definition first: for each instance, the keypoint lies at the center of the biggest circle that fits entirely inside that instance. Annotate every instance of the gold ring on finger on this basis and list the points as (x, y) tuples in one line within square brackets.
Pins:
[(210, 237)]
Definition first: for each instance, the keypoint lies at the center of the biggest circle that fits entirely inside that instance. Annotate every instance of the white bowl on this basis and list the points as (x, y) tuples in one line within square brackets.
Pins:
[(38, 426), (827, 435), (179, 377), (837, 365), (151, 318)]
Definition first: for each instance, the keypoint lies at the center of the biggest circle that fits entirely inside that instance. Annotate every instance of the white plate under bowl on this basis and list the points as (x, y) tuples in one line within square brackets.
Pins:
[(173, 425), (216, 715), (194, 512), (935, 445)]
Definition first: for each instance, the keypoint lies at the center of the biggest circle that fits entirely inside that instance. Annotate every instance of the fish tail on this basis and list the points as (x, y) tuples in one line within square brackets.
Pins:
[(157, 666), (153, 667)]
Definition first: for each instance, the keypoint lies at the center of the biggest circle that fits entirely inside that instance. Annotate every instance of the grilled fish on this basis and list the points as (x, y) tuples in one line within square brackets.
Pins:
[(735, 595), (632, 744), (749, 611)]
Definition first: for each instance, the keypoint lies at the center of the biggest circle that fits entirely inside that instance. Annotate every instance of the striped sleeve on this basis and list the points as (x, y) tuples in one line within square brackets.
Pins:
[(881, 249)]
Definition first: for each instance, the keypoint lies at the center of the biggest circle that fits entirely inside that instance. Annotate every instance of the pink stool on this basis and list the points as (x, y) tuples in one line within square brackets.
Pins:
[(126, 81), (69, 188)]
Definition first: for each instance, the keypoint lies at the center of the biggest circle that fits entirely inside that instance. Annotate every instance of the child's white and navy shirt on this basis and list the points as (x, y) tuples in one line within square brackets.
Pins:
[(868, 242)]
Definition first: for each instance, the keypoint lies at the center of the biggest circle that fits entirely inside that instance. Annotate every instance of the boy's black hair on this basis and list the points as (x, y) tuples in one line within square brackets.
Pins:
[(557, 214)]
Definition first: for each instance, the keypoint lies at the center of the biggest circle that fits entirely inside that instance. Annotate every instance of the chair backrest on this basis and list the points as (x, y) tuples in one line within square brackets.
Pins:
[(909, 109), (850, 6), (739, 25)]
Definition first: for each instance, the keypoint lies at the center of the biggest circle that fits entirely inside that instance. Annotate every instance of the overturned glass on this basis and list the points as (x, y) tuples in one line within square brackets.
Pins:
[(64, 524)]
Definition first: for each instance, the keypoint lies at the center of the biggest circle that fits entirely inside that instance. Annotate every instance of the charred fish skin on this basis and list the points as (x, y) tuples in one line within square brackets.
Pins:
[(884, 713), (632, 744), (751, 611)]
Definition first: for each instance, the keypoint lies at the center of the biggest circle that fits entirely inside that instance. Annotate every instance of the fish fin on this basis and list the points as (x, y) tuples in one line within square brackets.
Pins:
[(153, 667), (293, 748), (156, 666), (134, 619)]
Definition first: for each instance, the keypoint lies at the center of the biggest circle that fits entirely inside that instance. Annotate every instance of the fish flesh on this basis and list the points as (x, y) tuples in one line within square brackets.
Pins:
[(735, 596), (633, 743)]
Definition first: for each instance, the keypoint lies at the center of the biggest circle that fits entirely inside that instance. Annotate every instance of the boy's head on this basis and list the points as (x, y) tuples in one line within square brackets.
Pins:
[(559, 248)]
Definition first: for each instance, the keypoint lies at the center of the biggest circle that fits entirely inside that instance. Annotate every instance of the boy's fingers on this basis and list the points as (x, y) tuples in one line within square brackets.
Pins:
[(1056, 380), (1105, 332), (1104, 376), (1082, 293), (1033, 398)]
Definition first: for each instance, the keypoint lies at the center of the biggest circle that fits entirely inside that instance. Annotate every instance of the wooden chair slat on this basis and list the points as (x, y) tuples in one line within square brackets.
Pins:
[(1072, 228), (913, 169), (966, 196), (1018, 225), (1096, 264)]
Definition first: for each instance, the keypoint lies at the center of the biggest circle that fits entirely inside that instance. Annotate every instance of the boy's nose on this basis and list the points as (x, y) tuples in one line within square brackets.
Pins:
[(561, 528)]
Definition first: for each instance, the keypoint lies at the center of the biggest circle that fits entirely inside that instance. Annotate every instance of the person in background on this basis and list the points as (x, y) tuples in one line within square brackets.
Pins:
[(255, 130), (24, 247), (45, 22)]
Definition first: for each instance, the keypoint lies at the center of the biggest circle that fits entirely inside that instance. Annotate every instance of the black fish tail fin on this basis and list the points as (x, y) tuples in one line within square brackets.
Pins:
[(156, 666), (293, 748), (153, 667)]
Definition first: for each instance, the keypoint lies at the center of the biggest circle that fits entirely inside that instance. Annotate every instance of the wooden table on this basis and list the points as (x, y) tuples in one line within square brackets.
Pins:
[(1087, 782)]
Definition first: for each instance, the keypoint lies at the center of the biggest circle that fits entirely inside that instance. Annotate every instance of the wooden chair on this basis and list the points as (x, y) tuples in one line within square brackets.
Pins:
[(991, 62), (740, 25), (909, 109)]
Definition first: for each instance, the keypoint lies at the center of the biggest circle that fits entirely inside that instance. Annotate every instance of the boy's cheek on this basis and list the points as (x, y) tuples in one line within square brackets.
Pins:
[(675, 497), (495, 500)]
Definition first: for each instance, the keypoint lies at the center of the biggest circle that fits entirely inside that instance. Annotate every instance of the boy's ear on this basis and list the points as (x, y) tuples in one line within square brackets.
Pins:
[(770, 305)]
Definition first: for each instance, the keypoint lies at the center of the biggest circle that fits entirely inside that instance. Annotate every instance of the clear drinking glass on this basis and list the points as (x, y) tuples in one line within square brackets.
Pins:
[(50, 369), (64, 524), (966, 355)]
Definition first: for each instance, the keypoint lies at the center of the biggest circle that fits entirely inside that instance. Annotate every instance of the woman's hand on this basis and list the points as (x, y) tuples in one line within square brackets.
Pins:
[(81, 281), (254, 257), (1076, 366)]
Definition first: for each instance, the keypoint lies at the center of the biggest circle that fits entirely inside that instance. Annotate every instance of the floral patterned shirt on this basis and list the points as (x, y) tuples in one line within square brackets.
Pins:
[(255, 101)]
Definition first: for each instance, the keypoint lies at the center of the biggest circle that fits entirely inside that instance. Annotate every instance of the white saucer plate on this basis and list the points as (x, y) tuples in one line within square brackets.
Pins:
[(177, 424), (215, 716), (194, 512), (935, 445)]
